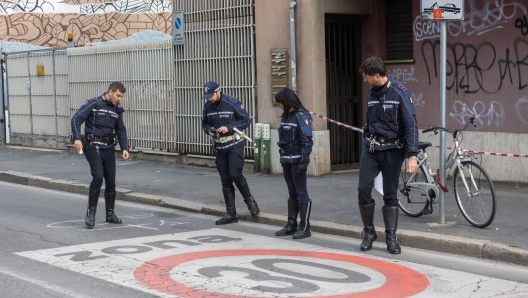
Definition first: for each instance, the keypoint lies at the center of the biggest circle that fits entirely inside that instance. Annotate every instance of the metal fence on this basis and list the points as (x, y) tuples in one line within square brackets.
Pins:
[(164, 82), (146, 70), (219, 46), (38, 93)]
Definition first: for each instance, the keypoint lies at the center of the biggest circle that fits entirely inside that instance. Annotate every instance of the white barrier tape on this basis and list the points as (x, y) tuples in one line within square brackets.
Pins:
[(449, 148), (489, 153), (336, 122)]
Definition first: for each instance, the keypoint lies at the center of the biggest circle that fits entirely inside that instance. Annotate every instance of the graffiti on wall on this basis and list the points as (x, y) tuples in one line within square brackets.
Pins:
[(491, 115), (486, 63), (480, 18), (47, 23), (471, 68)]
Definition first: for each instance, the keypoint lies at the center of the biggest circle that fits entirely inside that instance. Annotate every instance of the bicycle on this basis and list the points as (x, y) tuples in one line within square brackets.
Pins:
[(474, 192)]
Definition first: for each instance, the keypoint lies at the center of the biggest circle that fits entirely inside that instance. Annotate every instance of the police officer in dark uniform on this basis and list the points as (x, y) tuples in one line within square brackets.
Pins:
[(103, 118), (295, 142), (391, 135), (221, 114)]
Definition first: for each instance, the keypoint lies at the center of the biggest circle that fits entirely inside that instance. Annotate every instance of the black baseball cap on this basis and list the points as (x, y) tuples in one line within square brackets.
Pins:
[(209, 89)]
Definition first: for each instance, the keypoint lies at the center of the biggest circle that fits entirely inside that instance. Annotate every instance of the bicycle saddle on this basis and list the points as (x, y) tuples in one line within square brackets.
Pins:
[(423, 145)]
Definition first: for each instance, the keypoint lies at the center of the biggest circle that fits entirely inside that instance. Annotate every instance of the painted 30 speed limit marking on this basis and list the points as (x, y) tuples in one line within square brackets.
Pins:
[(222, 263)]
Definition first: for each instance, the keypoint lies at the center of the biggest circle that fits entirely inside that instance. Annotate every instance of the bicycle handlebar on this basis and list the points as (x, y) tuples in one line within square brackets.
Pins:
[(428, 130), (435, 129)]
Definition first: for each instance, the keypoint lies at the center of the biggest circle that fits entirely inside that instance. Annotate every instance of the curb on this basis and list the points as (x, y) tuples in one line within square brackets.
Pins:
[(436, 242)]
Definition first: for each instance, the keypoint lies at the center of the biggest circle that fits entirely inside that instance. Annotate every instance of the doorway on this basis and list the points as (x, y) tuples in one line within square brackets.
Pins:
[(343, 83)]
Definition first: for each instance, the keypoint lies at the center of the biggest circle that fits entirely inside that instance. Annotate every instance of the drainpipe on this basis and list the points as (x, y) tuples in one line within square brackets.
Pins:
[(3, 120), (292, 41)]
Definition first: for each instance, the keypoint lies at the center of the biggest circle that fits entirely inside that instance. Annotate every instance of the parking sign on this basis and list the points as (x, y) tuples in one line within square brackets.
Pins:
[(178, 34)]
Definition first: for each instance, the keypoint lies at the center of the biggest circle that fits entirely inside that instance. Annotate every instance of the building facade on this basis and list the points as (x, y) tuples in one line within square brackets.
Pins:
[(486, 75)]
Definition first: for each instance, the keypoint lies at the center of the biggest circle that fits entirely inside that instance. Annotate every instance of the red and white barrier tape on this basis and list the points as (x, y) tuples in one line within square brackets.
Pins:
[(336, 122), (449, 148), (490, 153)]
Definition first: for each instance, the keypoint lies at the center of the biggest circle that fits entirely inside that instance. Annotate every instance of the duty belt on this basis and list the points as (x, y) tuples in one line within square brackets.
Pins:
[(108, 139), (290, 150), (384, 140), (225, 139), (381, 140)]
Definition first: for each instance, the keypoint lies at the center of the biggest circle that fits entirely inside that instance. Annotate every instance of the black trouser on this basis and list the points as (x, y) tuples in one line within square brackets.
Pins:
[(296, 182), (389, 162), (230, 164), (102, 165)]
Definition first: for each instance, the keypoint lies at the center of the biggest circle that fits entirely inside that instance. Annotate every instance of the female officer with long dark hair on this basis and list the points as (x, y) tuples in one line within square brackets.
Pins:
[(295, 142)]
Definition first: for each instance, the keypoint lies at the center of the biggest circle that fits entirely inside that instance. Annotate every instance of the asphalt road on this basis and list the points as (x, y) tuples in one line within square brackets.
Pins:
[(45, 251)]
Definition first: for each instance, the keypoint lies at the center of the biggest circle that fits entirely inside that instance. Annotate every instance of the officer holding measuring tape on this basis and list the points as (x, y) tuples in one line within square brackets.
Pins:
[(221, 115)]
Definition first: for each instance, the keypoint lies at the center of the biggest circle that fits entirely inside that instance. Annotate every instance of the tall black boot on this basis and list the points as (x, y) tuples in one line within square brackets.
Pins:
[(291, 225), (109, 204), (230, 216), (390, 216), (93, 197), (249, 200), (304, 225), (369, 233)]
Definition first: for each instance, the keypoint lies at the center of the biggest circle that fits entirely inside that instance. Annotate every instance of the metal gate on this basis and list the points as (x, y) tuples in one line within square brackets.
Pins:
[(343, 82), (146, 71), (38, 97), (219, 46)]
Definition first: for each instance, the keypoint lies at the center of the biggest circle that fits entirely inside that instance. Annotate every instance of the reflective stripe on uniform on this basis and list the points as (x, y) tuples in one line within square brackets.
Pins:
[(388, 101)]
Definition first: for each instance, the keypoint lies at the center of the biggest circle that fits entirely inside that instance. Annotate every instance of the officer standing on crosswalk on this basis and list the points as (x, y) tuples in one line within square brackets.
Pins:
[(103, 118), (221, 114)]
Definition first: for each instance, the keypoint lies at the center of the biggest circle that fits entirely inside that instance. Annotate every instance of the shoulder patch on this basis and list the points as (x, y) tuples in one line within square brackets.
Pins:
[(233, 99), (89, 101), (400, 86), (306, 121)]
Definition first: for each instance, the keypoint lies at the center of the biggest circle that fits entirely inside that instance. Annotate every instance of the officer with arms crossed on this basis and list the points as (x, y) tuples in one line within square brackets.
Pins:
[(103, 118), (221, 114), (391, 135)]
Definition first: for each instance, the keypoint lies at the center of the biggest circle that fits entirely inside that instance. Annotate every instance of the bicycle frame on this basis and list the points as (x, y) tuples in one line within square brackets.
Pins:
[(424, 187), (478, 205), (455, 157)]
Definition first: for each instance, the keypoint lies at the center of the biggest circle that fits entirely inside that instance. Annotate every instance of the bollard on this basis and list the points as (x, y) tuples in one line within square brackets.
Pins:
[(266, 147), (256, 148)]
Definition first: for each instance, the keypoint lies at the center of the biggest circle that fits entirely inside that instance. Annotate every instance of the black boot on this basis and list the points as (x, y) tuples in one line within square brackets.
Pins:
[(369, 233), (304, 224), (249, 200), (110, 203), (291, 225), (230, 216), (93, 197), (390, 216)]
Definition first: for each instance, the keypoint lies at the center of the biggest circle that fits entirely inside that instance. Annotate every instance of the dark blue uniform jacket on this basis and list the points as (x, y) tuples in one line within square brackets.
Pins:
[(230, 113), (295, 131), (390, 114), (101, 118)]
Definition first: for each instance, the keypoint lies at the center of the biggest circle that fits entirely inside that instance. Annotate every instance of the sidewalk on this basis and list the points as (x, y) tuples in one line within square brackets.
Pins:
[(334, 211)]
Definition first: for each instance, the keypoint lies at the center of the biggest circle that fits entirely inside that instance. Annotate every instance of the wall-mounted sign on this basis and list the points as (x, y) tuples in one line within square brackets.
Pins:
[(178, 34)]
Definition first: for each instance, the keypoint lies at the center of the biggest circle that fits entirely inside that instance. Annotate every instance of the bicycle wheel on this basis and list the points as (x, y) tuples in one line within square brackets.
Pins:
[(474, 194), (412, 201)]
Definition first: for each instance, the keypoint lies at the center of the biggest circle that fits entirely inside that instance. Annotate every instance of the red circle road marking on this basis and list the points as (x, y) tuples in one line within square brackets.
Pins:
[(400, 281)]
